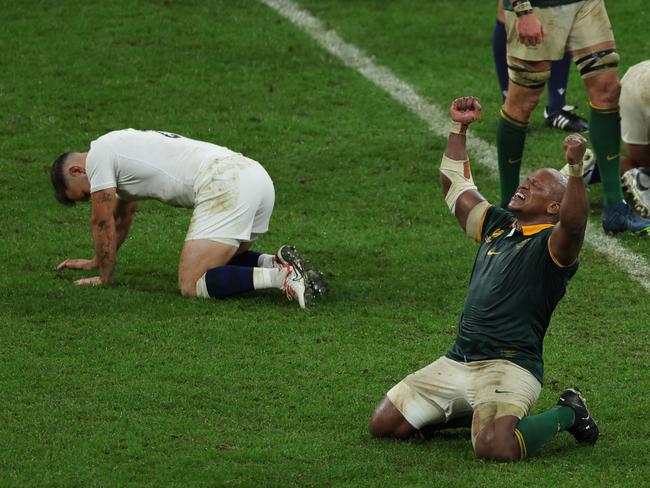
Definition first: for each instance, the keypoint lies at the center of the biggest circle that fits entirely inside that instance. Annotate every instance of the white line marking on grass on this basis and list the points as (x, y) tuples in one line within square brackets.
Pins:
[(484, 152)]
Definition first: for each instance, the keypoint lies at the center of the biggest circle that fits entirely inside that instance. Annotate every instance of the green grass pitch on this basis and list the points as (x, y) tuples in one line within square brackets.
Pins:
[(133, 385)]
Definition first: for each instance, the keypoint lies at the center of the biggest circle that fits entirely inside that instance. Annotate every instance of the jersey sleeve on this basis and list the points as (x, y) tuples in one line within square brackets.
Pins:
[(100, 167), (495, 219), (549, 260)]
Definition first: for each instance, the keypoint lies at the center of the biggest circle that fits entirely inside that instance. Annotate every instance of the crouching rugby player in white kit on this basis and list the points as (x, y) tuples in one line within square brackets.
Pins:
[(232, 197)]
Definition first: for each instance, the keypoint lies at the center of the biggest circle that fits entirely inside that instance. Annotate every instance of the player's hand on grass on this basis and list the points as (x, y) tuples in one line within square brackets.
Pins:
[(574, 148), (465, 110), (78, 264), (94, 281), (530, 30)]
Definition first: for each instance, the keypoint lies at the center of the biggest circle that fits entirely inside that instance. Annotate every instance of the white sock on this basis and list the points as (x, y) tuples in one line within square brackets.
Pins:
[(269, 277), (266, 261), (202, 288)]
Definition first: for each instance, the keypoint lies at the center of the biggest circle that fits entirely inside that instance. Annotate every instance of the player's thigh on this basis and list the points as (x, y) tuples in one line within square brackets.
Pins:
[(197, 257), (501, 388), (523, 95), (591, 29), (433, 394), (263, 198)]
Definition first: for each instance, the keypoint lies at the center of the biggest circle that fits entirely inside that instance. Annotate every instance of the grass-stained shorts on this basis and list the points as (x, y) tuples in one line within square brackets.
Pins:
[(569, 27), (448, 389), (233, 201)]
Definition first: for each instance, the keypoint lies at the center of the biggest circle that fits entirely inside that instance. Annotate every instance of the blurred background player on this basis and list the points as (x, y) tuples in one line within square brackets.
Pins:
[(635, 133), (494, 370), (557, 113), (541, 31), (232, 198)]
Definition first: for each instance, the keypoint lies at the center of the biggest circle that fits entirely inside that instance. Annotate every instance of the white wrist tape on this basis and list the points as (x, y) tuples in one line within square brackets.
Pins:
[(461, 179), (575, 169), (458, 128)]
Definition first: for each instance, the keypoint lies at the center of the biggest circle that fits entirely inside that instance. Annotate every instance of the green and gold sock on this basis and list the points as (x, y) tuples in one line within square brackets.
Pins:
[(532, 432), (511, 136), (605, 136)]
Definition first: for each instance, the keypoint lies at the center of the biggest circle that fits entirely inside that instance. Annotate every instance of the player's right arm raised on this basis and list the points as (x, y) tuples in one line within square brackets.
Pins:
[(458, 187)]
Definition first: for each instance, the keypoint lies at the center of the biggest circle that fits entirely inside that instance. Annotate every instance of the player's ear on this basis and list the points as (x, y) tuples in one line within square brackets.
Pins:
[(553, 208), (76, 170)]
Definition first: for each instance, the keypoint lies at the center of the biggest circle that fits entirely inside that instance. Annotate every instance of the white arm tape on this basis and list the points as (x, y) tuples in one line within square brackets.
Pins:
[(461, 179)]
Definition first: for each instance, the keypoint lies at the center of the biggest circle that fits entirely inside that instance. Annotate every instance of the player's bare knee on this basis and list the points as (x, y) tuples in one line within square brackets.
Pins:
[(387, 421), (496, 445), (381, 427), (187, 286), (377, 426)]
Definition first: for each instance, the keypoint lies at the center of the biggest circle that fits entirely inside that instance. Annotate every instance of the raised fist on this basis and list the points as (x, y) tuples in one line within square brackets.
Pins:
[(465, 110), (574, 147)]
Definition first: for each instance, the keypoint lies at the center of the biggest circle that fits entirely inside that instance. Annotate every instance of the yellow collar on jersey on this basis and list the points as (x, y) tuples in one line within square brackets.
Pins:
[(529, 230)]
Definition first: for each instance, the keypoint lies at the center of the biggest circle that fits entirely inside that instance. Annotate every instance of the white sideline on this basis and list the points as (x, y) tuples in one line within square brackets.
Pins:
[(485, 153)]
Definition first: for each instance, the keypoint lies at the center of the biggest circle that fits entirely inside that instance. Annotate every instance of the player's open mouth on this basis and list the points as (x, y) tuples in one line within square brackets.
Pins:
[(520, 195)]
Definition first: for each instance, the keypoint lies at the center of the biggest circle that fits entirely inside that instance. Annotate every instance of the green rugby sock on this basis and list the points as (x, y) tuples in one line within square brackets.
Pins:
[(605, 136), (511, 136), (532, 432)]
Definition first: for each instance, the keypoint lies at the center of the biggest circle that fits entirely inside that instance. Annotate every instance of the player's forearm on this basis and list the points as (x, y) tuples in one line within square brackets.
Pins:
[(122, 230), (104, 237), (456, 146), (123, 220), (575, 207)]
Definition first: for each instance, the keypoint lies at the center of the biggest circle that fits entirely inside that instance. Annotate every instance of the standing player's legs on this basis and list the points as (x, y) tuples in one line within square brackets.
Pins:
[(499, 42), (527, 80), (597, 65), (557, 113)]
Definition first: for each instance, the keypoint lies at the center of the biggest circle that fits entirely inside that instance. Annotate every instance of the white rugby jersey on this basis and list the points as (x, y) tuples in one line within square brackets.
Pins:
[(635, 104), (149, 165)]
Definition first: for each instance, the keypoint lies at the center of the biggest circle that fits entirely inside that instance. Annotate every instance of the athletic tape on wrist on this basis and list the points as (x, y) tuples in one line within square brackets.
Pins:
[(575, 169), (522, 7), (460, 176), (458, 128)]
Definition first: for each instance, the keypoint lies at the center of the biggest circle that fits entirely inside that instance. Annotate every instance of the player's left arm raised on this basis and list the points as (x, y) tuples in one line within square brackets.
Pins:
[(569, 233), (102, 221)]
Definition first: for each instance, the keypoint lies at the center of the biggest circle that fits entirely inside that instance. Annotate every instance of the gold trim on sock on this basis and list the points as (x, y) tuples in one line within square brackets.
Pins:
[(510, 120), (604, 110), (522, 444)]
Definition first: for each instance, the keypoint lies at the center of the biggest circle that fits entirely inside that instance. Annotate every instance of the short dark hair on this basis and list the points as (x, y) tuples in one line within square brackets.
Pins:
[(58, 180)]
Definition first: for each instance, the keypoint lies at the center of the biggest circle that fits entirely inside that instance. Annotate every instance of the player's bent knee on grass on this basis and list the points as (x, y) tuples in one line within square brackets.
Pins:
[(197, 257), (388, 421), (496, 441)]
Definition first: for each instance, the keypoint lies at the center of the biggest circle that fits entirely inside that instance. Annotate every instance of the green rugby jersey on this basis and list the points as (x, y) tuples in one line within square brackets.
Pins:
[(507, 5), (513, 289)]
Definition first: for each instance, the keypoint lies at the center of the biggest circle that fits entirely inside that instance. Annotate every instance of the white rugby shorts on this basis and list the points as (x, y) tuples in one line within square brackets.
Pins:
[(233, 201), (448, 389)]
